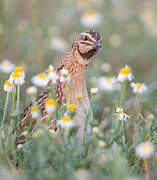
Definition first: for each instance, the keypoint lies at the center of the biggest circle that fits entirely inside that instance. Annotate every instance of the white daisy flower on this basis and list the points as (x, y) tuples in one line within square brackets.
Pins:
[(58, 44), (50, 69), (125, 73), (119, 110), (35, 112), (95, 130), (50, 105), (138, 87), (101, 143), (91, 19), (6, 66), (108, 83), (40, 80), (53, 76), (65, 122), (32, 90), (64, 72), (8, 86), (65, 76), (16, 78), (145, 150), (94, 91), (121, 116), (65, 79)]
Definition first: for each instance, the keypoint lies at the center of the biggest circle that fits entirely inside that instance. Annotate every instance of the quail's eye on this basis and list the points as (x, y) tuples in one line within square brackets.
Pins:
[(85, 38)]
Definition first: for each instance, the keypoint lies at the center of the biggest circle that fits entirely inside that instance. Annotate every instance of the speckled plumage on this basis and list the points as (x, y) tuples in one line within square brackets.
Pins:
[(84, 48)]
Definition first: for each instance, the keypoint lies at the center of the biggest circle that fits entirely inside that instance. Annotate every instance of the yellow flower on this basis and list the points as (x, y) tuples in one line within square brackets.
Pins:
[(17, 78), (19, 70), (79, 96), (40, 80), (121, 115), (34, 109), (50, 102), (65, 122), (72, 106), (42, 76), (50, 69), (35, 112), (8, 86), (125, 73), (50, 105), (138, 87), (91, 19), (16, 75), (66, 119)]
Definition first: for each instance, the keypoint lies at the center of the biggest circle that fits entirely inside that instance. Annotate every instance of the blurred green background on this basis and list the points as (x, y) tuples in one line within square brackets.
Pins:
[(128, 28)]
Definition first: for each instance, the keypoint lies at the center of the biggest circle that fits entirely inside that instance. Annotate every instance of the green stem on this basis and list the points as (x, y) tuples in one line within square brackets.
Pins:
[(5, 108), (18, 97), (122, 96), (123, 131), (66, 92), (134, 107), (13, 98), (87, 119)]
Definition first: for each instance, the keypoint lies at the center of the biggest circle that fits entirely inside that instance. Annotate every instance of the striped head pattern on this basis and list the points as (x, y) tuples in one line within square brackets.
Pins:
[(88, 43)]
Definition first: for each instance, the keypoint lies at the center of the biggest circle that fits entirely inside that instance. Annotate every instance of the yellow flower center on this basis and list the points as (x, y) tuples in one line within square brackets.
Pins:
[(49, 70), (50, 102), (79, 96), (122, 113), (34, 109), (90, 13), (7, 83), (125, 71), (146, 147), (16, 75), (72, 106), (108, 79), (139, 85), (66, 119), (42, 76), (6, 65), (19, 70)]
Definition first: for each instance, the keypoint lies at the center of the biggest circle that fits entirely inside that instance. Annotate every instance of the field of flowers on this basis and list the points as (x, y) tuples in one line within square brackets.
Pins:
[(35, 36)]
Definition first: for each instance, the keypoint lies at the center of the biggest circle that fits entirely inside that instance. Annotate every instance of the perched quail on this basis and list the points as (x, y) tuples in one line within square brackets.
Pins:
[(83, 49)]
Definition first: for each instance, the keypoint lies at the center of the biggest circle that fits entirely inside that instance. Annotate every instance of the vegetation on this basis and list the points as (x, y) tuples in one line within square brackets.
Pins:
[(121, 82)]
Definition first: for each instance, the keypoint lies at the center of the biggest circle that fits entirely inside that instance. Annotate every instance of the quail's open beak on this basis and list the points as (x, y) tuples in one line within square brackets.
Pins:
[(97, 46)]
